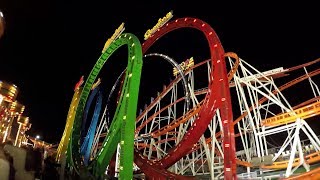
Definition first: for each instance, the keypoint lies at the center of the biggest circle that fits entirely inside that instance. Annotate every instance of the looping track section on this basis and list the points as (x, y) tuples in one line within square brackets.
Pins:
[(123, 124), (218, 97)]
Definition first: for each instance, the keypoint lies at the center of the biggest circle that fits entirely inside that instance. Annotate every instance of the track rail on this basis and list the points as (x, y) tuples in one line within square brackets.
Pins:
[(123, 124), (217, 97), (289, 117), (62, 148), (86, 145)]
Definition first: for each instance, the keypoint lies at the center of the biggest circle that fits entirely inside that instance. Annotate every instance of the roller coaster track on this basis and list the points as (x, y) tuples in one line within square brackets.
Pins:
[(311, 175), (310, 158), (185, 117), (157, 113), (305, 112), (122, 126), (170, 86), (62, 148), (307, 102), (95, 92), (281, 88), (165, 91), (174, 123), (161, 95), (184, 146), (303, 65), (86, 145), (289, 117), (221, 99)]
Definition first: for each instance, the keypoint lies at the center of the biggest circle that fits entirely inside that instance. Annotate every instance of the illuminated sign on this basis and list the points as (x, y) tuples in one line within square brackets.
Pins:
[(115, 35), (79, 83), (184, 66), (96, 84), (159, 24)]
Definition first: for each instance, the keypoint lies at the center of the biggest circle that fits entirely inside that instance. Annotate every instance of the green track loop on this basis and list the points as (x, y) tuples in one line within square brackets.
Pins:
[(123, 123)]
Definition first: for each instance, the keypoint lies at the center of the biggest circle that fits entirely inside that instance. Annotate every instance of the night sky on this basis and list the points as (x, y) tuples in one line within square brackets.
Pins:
[(49, 44)]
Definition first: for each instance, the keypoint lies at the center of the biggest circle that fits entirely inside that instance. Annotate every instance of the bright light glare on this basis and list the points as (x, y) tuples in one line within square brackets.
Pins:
[(1, 14), (37, 137)]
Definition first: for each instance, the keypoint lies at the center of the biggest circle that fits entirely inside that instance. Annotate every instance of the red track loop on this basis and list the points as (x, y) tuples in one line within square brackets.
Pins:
[(218, 96)]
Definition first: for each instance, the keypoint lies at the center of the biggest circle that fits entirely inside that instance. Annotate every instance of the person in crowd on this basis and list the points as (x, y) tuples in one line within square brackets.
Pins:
[(50, 171), (12, 171)]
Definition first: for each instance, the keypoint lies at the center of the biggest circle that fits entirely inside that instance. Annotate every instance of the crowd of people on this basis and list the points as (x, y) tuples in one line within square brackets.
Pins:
[(5, 155), (41, 165)]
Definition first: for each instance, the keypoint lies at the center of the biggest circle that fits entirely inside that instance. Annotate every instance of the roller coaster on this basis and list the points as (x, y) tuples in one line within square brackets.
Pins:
[(242, 124)]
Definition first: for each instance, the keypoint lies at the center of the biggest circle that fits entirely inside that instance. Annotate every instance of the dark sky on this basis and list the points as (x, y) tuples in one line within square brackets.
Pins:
[(49, 44)]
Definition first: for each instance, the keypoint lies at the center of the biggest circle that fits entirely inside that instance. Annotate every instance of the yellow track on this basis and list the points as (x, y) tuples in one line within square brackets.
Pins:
[(62, 148)]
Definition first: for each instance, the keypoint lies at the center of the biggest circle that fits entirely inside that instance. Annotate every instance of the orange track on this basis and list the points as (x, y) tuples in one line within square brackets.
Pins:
[(303, 112), (308, 110), (310, 159), (289, 117), (281, 88), (311, 175)]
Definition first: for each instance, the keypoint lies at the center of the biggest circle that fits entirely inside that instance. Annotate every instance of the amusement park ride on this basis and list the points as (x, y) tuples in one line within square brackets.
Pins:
[(228, 129), (11, 115), (10, 109), (13, 123)]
